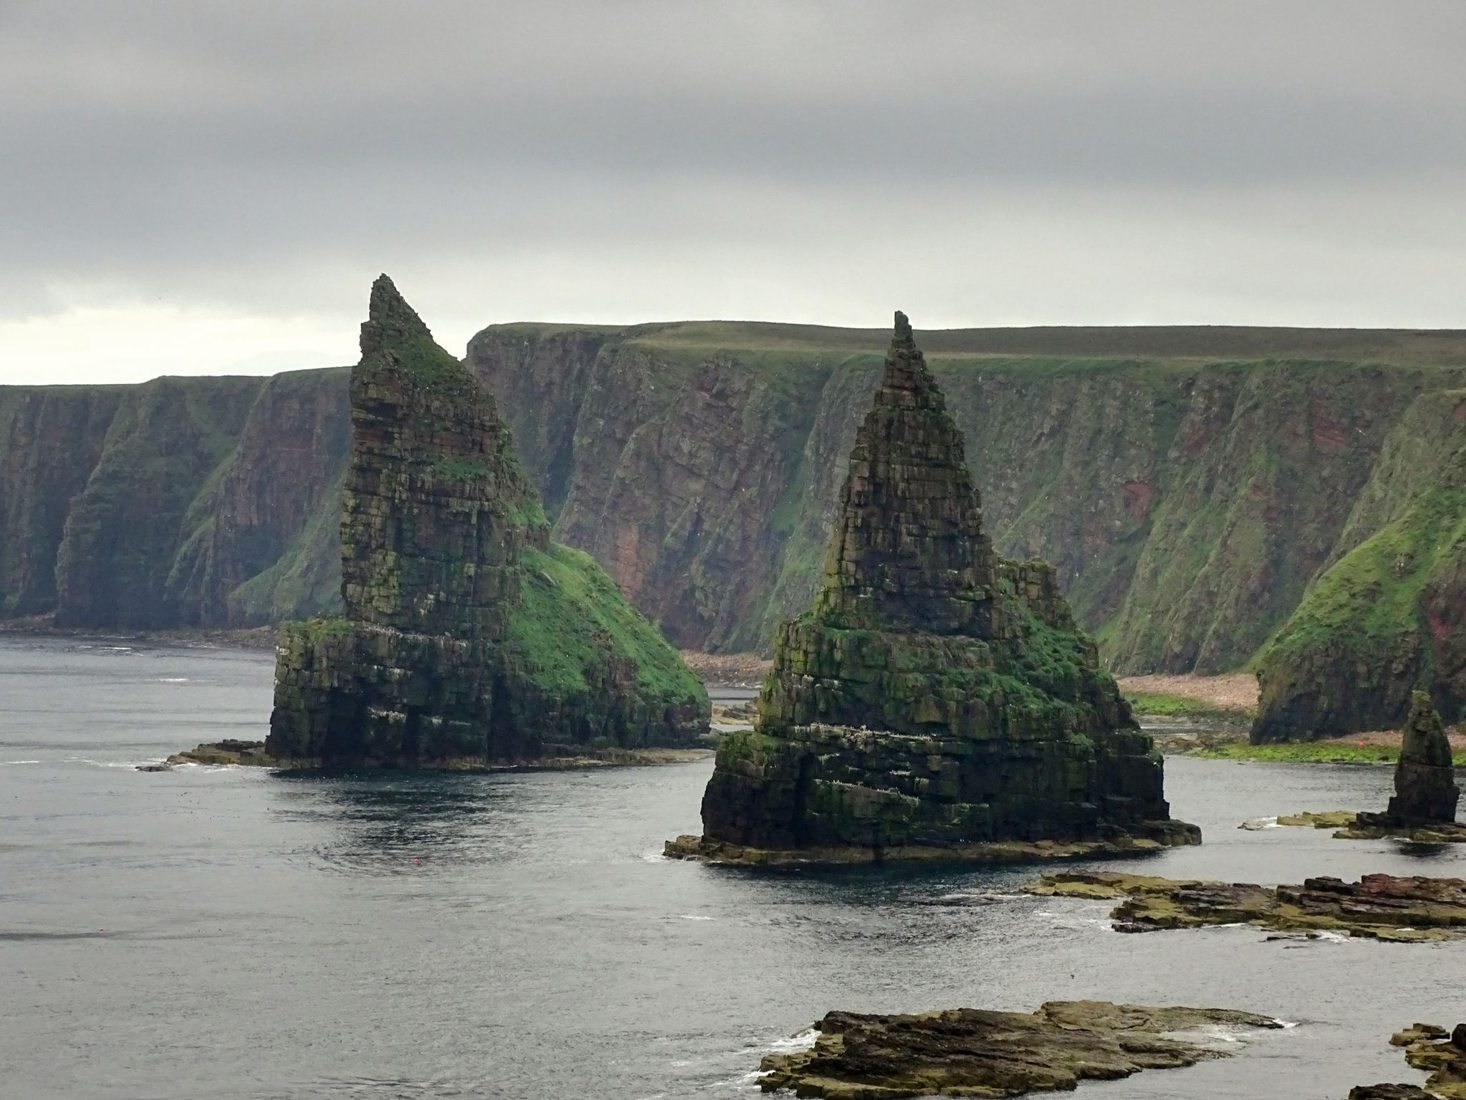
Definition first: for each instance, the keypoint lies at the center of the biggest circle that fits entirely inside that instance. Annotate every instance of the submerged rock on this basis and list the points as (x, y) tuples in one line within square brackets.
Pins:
[(469, 637), (937, 700), (1407, 909), (971, 1052)]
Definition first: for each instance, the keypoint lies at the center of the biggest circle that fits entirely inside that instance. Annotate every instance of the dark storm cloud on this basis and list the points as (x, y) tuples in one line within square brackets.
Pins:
[(245, 153)]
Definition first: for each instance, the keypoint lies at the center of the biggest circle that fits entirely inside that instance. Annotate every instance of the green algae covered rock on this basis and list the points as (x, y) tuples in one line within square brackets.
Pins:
[(468, 635), (937, 698)]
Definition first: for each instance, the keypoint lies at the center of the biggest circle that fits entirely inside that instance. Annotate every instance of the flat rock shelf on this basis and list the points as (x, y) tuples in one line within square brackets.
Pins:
[(972, 1052), (1398, 909)]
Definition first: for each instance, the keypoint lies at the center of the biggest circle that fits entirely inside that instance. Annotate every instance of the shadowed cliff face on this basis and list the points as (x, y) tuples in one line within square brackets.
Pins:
[(50, 441), (1187, 485), (128, 522), (183, 501)]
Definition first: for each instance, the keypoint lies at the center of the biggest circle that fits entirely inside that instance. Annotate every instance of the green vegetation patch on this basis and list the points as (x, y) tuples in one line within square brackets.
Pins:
[(432, 368), (1367, 607), (571, 614), (462, 467), (1164, 705)]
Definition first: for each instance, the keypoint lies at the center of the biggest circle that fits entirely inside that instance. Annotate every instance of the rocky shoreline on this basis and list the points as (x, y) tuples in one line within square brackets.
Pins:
[(1396, 909), (972, 1052)]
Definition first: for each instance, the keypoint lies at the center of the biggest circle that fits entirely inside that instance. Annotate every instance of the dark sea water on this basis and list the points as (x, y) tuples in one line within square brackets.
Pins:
[(224, 932)]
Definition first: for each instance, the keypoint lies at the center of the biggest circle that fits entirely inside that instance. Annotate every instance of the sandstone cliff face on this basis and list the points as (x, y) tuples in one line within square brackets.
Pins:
[(164, 504), (467, 635), (937, 696), (1186, 503), (1189, 485)]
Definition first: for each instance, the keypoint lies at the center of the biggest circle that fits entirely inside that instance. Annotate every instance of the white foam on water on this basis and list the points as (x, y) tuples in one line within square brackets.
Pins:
[(11, 763), (1217, 1037), (654, 855), (173, 679), (795, 1043), (693, 916)]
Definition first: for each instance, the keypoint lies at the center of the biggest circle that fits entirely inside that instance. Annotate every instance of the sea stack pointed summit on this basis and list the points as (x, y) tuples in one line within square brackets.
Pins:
[(468, 636), (937, 701), (908, 551)]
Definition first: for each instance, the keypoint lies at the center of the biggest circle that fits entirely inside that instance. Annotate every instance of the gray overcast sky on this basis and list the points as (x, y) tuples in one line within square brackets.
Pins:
[(202, 187)]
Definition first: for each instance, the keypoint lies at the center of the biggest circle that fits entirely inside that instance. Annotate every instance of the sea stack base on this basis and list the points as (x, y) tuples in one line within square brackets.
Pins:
[(1149, 837)]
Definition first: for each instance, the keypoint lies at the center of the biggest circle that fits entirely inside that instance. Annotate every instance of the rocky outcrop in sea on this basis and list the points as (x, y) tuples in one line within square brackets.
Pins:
[(973, 1052), (468, 635), (937, 700)]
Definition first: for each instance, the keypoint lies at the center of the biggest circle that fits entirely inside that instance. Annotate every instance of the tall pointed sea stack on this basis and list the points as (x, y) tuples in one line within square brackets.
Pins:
[(468, 635), (938, 700)]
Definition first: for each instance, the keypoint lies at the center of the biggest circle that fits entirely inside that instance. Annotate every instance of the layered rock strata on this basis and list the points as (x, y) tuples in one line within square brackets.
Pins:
[(973, 1052), (468, 635), (1400, 909), (937, 699)]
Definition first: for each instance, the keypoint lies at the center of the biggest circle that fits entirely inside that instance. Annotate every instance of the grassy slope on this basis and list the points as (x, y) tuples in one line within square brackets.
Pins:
[(570, 610)]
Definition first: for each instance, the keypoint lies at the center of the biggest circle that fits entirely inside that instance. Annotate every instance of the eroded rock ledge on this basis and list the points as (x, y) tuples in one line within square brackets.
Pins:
[(972, 1052), (1408, 909)]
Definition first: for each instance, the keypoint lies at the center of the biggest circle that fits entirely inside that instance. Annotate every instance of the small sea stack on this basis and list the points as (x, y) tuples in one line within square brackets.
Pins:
[(937, 701), (1424, 804), (1425, 782), (469, 637)]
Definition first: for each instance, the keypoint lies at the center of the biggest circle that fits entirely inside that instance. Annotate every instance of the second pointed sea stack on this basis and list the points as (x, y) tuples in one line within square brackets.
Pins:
[(469, 637), (937, 700)]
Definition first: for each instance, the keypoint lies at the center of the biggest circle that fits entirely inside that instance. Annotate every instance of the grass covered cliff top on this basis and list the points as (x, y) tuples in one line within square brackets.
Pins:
[(1417, 347)]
